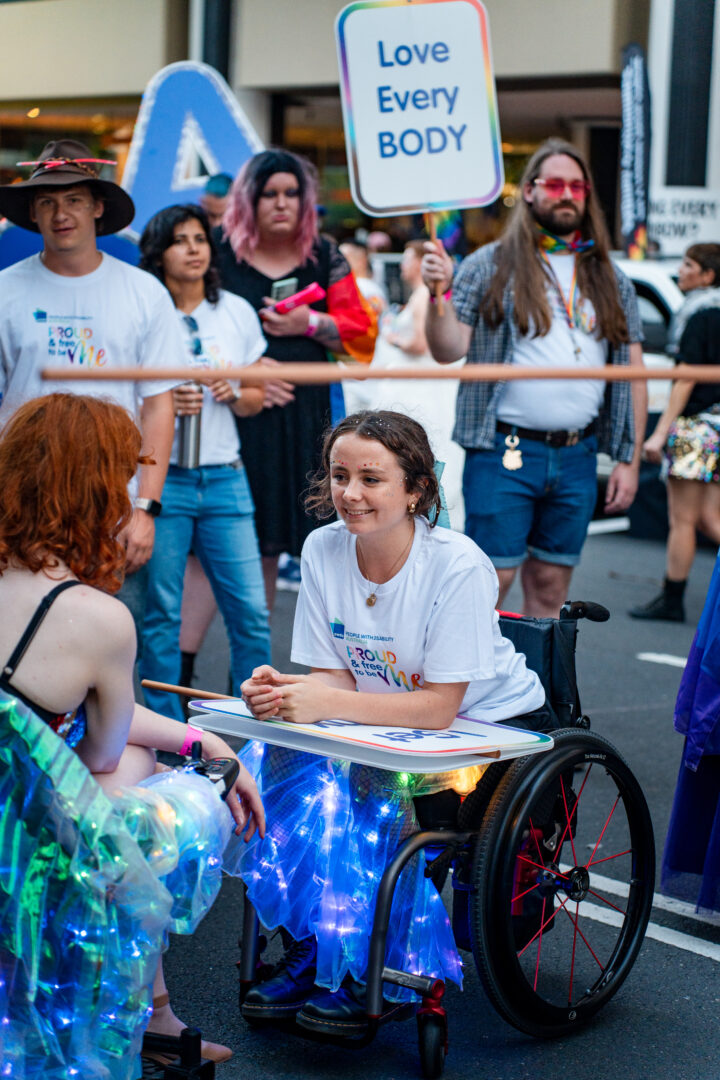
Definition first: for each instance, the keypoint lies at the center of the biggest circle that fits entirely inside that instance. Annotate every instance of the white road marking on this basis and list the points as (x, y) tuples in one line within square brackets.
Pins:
[(657, 933), (609, 525), (663, 903), (662, 658)]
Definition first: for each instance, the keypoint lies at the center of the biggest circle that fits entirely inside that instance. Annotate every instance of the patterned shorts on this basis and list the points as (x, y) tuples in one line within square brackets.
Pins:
[(693, 447)]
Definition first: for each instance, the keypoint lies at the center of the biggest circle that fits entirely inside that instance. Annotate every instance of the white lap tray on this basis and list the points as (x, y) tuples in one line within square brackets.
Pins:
[(465, 742)]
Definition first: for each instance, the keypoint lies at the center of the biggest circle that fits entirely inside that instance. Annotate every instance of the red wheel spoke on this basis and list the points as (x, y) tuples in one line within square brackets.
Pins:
[(542, 927), (587, 943), (575, 806), (599, 897), (537, 962), (607, 858), (520, 895), (524, 858), (572, 838), (599, 839), (534, 834), (572, 962)]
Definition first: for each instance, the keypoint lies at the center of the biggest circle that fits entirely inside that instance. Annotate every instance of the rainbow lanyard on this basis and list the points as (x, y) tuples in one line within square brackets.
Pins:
[(570, 305)]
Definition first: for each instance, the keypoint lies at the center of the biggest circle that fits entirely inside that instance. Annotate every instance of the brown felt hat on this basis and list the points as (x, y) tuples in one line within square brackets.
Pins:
[(62, 163)]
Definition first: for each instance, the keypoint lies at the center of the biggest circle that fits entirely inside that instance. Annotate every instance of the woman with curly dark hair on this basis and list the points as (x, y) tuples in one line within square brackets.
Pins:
[(67, 645), (208, 508), (396, 620)]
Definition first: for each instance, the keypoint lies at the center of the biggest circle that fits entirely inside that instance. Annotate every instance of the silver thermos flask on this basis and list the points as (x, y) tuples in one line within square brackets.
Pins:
[(189, 439)]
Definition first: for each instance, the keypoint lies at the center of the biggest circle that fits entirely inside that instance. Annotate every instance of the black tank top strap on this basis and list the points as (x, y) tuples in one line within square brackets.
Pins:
[(32, 627)]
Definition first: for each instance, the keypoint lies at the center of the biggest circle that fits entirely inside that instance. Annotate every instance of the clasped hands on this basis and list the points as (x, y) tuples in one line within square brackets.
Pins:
[(299, 698), (188, 397)]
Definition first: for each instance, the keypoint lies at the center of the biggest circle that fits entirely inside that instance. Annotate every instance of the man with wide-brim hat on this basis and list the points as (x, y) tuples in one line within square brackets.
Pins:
[(66, 162), (74, 306)]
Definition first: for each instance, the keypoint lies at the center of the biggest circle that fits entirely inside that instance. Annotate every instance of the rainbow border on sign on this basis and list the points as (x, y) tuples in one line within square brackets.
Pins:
[(350, 141)]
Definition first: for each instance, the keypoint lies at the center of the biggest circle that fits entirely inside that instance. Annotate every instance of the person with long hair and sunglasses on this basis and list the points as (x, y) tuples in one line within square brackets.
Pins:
[(545, 295), (270, 235), (396, 620), (207, 509), (68, 645)]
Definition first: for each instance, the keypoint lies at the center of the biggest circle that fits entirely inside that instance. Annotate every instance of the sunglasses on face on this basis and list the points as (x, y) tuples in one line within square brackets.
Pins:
[(555, 187), (195, 342)]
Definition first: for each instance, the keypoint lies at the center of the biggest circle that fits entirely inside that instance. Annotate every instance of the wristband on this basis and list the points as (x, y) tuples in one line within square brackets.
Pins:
[(445, 296), (313, 323), (194, 734)]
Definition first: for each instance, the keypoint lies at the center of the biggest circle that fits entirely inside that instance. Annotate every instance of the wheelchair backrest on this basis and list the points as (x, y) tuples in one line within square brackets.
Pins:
[(549, 648)]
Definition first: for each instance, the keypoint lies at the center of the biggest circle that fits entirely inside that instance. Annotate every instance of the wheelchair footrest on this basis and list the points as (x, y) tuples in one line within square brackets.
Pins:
[(427, 985)]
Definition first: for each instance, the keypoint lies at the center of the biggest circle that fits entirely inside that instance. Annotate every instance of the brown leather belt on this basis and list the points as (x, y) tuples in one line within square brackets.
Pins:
[(550, 438)]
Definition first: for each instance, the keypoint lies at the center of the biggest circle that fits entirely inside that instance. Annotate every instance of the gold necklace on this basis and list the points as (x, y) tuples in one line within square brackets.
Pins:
[(372, 598)]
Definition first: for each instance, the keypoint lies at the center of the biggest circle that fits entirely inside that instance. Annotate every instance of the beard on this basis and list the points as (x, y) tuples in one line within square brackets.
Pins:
[(562, 219)]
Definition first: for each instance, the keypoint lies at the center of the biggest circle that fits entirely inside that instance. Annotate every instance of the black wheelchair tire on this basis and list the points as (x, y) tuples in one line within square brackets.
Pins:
[(497, 856), (431, 1044)]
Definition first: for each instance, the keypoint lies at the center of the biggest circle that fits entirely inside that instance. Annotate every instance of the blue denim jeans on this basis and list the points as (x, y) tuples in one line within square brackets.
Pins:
[(542, 509), (210, 510)]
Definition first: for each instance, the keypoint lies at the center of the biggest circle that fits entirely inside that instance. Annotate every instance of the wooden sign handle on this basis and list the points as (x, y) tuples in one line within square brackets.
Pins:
[(440, 303)]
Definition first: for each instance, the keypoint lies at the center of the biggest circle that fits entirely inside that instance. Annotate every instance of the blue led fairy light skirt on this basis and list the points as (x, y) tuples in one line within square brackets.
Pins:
[(332, 829)]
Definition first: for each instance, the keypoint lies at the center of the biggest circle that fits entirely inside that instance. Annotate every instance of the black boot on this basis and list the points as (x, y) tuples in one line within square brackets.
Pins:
[(288, 988), (668, 605)]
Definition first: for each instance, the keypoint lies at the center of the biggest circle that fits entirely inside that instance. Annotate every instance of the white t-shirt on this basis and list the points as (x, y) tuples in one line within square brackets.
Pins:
[(230, 336), (556, 404), (117, 315), (435, 620)]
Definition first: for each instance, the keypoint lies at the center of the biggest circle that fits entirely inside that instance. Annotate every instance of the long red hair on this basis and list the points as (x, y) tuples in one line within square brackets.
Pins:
[(65, 463)]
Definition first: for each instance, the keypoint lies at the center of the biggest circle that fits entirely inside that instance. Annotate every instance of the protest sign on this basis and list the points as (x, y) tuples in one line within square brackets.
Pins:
[(680, 216), (419, 105)]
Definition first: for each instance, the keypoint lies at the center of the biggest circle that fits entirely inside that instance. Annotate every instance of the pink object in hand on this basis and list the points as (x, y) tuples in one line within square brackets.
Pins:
[(309, 295)]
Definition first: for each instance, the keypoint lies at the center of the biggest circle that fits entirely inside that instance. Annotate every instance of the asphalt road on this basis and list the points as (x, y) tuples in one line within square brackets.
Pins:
[(664, 1021)]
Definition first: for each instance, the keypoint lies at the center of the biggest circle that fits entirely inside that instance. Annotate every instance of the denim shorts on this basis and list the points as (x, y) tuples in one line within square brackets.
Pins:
[(542, 509)]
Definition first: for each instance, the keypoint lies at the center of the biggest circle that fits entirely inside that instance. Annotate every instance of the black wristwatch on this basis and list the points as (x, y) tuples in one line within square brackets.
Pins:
[(151, 506)]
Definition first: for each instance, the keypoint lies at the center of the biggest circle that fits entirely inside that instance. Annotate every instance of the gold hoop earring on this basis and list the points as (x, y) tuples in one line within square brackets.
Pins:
[(411, 508)]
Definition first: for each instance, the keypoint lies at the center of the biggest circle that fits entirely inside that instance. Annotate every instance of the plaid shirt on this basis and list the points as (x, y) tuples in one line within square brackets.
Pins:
[(477, 402)]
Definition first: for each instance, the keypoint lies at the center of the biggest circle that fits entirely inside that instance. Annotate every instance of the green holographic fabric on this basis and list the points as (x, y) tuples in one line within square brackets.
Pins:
[(84, 913)]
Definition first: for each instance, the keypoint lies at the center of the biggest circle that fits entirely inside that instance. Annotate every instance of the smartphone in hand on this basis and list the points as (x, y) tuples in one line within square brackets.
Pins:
[(283, 288)]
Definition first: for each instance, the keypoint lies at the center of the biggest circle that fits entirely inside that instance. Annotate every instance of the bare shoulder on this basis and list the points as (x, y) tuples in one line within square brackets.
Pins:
[(102, 620)]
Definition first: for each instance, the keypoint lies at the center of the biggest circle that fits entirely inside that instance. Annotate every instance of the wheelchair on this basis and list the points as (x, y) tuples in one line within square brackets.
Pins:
[(551, 864)]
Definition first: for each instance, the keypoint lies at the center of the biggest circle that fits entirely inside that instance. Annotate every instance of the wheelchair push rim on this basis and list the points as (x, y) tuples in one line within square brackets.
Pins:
[(562, 878)]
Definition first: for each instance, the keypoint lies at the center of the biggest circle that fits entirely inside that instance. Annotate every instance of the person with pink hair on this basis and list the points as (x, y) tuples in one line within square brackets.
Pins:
[(270, 234)]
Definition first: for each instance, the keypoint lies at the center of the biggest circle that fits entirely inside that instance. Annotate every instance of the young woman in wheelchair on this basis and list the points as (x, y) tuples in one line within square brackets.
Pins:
[(396, 620), (68, 646)]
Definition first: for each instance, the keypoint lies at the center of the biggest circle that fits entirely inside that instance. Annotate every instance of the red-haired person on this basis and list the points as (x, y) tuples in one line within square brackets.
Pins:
[(270, 235), (67, 645)]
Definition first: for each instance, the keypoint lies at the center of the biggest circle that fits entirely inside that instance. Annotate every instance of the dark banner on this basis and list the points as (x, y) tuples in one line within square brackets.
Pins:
[(634, 151)]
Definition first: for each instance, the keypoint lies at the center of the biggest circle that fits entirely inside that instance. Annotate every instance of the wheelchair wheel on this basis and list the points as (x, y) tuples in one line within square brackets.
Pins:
[(562, 879), (432, 1043)]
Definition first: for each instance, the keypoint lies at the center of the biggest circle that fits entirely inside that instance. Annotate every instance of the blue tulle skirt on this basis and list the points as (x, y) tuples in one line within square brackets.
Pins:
[(332, 829), (691, 860)]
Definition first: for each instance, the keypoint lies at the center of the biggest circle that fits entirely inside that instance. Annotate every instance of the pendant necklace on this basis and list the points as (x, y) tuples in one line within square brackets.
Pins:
[(371, 600)]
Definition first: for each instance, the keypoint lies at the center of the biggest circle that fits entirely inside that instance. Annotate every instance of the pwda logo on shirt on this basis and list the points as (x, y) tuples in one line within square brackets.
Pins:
[(39, 315), (338, 629)]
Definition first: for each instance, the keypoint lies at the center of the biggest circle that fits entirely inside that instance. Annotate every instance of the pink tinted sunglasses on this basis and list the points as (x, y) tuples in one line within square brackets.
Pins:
[(555, 187)]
